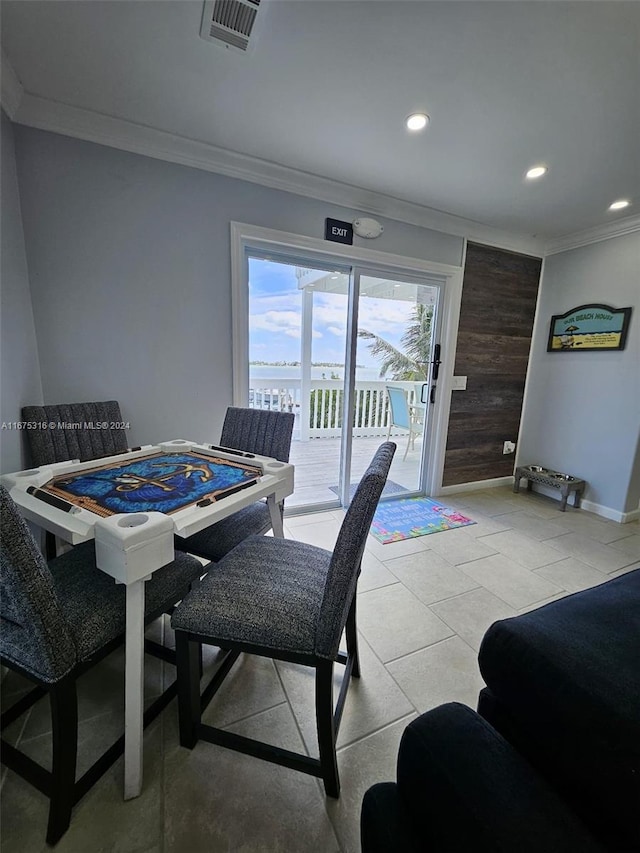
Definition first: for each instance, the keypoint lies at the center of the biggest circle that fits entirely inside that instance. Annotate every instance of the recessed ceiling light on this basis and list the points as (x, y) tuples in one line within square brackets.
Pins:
[(536, 172), (417, 121), (620, 204)]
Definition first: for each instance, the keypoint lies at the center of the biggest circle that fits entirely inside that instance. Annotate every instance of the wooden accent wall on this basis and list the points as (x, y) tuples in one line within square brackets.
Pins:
[(494, 337)]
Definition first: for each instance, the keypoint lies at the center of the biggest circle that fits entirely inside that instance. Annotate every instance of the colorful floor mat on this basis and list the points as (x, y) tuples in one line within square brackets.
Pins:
[(409, 517)]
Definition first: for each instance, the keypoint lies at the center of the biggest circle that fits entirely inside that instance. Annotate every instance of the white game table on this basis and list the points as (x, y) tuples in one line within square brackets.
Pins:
[(131, 546)]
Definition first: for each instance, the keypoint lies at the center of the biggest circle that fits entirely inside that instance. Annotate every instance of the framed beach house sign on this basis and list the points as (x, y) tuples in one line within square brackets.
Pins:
[(589, 327)]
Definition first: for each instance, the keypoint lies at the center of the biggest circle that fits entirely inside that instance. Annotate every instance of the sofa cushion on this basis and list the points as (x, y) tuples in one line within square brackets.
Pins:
[(467, 789), (386, 825), (564, 684)]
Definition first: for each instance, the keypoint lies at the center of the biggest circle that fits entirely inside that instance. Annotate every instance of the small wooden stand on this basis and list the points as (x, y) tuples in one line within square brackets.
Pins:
[(564, 482)]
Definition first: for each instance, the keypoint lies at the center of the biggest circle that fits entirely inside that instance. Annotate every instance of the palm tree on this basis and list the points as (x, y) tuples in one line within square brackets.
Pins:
[(412, 364)]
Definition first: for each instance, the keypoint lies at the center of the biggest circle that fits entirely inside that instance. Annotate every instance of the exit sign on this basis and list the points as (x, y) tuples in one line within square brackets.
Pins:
[(338, 231)]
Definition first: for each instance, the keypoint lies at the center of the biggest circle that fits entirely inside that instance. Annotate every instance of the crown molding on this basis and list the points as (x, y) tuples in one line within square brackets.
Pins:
[(11, 91), (25, 108), (593, 235), (84, 124)]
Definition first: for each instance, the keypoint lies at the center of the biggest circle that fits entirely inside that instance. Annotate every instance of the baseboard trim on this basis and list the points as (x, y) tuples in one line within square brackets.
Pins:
[(633, 515), (608, 512), (590, 506), (475, 486)]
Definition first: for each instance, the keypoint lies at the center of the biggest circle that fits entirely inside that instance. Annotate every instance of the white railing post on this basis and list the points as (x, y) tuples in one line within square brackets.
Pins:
[(318, 416), (305, 358)]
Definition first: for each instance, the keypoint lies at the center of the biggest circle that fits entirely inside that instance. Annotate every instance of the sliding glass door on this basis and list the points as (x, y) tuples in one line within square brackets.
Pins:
[(348, 350), (396, 327), (297, 344)]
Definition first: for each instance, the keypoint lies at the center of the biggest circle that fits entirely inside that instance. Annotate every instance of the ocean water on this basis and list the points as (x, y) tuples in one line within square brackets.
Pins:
[(282, 372)]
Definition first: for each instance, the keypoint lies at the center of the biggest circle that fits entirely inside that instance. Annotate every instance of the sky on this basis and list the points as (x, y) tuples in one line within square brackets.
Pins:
[(275, 318)]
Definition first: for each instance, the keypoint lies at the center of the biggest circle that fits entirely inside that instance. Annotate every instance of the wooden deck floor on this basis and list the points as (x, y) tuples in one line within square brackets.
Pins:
[(317, 466)]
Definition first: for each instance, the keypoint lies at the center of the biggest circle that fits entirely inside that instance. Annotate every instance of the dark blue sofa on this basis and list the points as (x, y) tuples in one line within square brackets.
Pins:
[(551, 763)]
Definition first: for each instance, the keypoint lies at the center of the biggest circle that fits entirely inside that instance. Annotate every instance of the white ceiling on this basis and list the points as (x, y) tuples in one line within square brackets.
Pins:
[(327, 85)]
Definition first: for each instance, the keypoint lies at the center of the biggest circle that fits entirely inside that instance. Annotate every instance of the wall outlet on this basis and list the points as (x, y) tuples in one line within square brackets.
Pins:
[(508, 447), (459, 383)]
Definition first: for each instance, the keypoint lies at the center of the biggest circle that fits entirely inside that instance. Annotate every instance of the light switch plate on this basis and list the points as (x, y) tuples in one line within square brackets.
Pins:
[(459, 383)]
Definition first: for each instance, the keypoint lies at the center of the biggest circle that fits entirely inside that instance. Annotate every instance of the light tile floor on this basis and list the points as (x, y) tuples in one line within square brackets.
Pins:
[(424, 605)]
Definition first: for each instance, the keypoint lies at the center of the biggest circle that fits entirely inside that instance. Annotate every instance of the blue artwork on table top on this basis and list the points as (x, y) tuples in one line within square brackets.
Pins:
[(161, 482)]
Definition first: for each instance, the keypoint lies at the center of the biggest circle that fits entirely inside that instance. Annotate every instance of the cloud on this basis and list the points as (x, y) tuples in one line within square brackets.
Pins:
[(284, 301), (280, 322)]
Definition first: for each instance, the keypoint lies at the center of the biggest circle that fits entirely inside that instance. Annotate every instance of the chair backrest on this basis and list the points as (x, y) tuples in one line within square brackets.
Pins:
[(34, 634), (399, 406), (258, 431), (347, 554), (73, 432)]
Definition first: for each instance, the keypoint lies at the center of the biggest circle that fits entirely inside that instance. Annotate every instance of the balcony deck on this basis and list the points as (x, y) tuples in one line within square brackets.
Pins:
[(315, 450), (317, 465)]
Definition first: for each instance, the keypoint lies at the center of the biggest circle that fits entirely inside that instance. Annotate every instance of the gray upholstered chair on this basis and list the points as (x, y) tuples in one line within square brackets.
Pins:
[(68, 431), (57, 621), (288, 601), (72, 437), (252, 431)]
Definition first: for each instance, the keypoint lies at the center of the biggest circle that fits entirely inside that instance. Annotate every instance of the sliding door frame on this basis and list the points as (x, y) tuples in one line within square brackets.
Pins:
[(246, 237)]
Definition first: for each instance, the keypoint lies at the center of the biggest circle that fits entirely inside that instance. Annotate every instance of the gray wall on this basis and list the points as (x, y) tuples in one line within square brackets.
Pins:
[(19, 366), (582, 409), (129, 264)]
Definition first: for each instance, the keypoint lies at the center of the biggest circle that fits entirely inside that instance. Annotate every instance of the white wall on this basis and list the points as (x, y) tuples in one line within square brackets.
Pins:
[(19, 367), (582, 409), (129, 264)]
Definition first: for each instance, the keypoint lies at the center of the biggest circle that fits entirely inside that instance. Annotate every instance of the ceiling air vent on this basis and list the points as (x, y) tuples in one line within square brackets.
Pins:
[(229, 22)]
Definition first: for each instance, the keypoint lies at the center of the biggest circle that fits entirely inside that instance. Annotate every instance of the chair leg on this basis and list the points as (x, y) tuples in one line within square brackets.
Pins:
[(188, 657), (64, 721), (326, 728), (406, 450), (50, 546), (351, 633)]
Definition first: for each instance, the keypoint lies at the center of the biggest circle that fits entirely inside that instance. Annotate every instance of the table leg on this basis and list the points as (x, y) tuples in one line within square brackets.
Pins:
[(563, 502), (516, 484), (276, 517), (576, 498), (134, 690)]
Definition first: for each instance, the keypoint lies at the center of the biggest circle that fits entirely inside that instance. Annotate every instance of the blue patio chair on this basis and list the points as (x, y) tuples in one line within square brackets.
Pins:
[(401, 415)]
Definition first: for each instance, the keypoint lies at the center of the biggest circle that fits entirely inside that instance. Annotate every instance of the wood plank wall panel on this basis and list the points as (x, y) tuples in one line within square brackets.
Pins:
[(494, 337)]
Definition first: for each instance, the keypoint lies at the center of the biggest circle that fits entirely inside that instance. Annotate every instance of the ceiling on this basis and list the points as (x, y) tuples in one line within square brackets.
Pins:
[(327, 84)]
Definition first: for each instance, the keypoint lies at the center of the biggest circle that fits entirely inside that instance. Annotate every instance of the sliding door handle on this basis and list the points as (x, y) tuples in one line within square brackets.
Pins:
[(436, 361)]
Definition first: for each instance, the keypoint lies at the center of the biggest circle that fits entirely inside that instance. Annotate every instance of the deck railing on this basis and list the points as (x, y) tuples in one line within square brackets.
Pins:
[(320, 414)]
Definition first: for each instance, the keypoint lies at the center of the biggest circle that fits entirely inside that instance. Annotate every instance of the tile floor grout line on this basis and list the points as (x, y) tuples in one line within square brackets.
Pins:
[(255, 714), (422, 648), (380, 728), (386, 726), (455, 595), (290, 706), (399, 686)]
